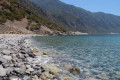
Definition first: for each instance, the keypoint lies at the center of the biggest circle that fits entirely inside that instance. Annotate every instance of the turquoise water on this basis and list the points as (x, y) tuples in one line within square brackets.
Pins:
[(98, 56)]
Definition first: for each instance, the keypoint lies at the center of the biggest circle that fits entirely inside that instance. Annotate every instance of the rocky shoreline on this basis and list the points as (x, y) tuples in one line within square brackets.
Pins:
[(20, 61)]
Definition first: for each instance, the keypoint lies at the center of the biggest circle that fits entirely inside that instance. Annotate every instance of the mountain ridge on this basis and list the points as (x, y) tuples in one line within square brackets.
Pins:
[(80, 19)]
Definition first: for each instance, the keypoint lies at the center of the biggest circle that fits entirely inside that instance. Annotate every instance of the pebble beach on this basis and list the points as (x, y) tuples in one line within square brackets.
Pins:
[(19, 60)]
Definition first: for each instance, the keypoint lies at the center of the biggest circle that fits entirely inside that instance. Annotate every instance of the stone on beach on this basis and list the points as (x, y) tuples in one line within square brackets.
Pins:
[(52, 69), (26, 55), (14, 78), (6, 52), (45, 76), (9, 70), (75, 70), (14, 60), (118, 75), (13, 55), (45, 53), (20, 55), (2, 71), (37, 54), (26, 77), (36, 77), (103, 77), (66, 77), (2, 60), (68, 66), (32, 55), (53, 72), (20, 70), (28, 66), (7, 57), (29, 70), (66, 71), (18, 62), (37, 72)]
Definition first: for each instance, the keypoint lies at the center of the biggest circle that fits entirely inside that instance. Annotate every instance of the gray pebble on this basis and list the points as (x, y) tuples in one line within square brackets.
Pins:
[(2, 71)]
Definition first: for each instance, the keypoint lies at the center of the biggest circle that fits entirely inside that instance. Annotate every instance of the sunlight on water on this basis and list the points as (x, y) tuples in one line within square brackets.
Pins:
[(98, 56)]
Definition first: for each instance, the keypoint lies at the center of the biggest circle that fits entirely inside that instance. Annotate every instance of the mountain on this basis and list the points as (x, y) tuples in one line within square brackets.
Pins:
[(34, 7), (43, 12), (16, 17), (79, 19)]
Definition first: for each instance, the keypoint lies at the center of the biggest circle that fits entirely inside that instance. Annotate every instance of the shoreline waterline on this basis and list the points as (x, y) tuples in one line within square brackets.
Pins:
[(92, 53), (20, 59), (57, 58)]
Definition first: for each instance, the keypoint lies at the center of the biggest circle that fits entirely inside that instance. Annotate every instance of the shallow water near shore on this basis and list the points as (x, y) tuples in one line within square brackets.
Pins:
[(98, 56)]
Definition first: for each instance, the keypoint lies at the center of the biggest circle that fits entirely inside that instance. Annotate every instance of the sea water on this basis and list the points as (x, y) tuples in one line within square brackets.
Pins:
[(98, 56)]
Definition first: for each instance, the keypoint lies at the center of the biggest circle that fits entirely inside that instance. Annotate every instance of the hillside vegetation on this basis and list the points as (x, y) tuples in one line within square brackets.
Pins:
[(79, 19), (13, 10)]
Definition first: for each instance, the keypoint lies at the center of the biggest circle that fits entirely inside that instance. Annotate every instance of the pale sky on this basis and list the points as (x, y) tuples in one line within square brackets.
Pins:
[(107, 6)]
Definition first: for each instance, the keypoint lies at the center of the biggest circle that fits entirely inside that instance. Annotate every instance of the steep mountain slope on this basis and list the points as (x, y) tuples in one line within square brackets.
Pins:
[(34, 7), (18, 17), (78, 18)]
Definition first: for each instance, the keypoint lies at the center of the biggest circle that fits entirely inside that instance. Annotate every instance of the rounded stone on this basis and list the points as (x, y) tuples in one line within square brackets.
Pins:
[(2, 60), (45, 53), (75, 70), (53, 72), (2, 71), (7, 57), (45, 76), (36, 77)]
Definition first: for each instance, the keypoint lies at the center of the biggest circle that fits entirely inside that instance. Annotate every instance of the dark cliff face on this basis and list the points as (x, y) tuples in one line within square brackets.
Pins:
[(78, 18)]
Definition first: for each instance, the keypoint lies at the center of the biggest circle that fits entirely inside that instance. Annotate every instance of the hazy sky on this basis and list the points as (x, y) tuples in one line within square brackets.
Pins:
[(107, 6)]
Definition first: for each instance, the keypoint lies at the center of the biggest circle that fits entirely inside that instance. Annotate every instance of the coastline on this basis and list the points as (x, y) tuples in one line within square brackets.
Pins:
[(20, 60)]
